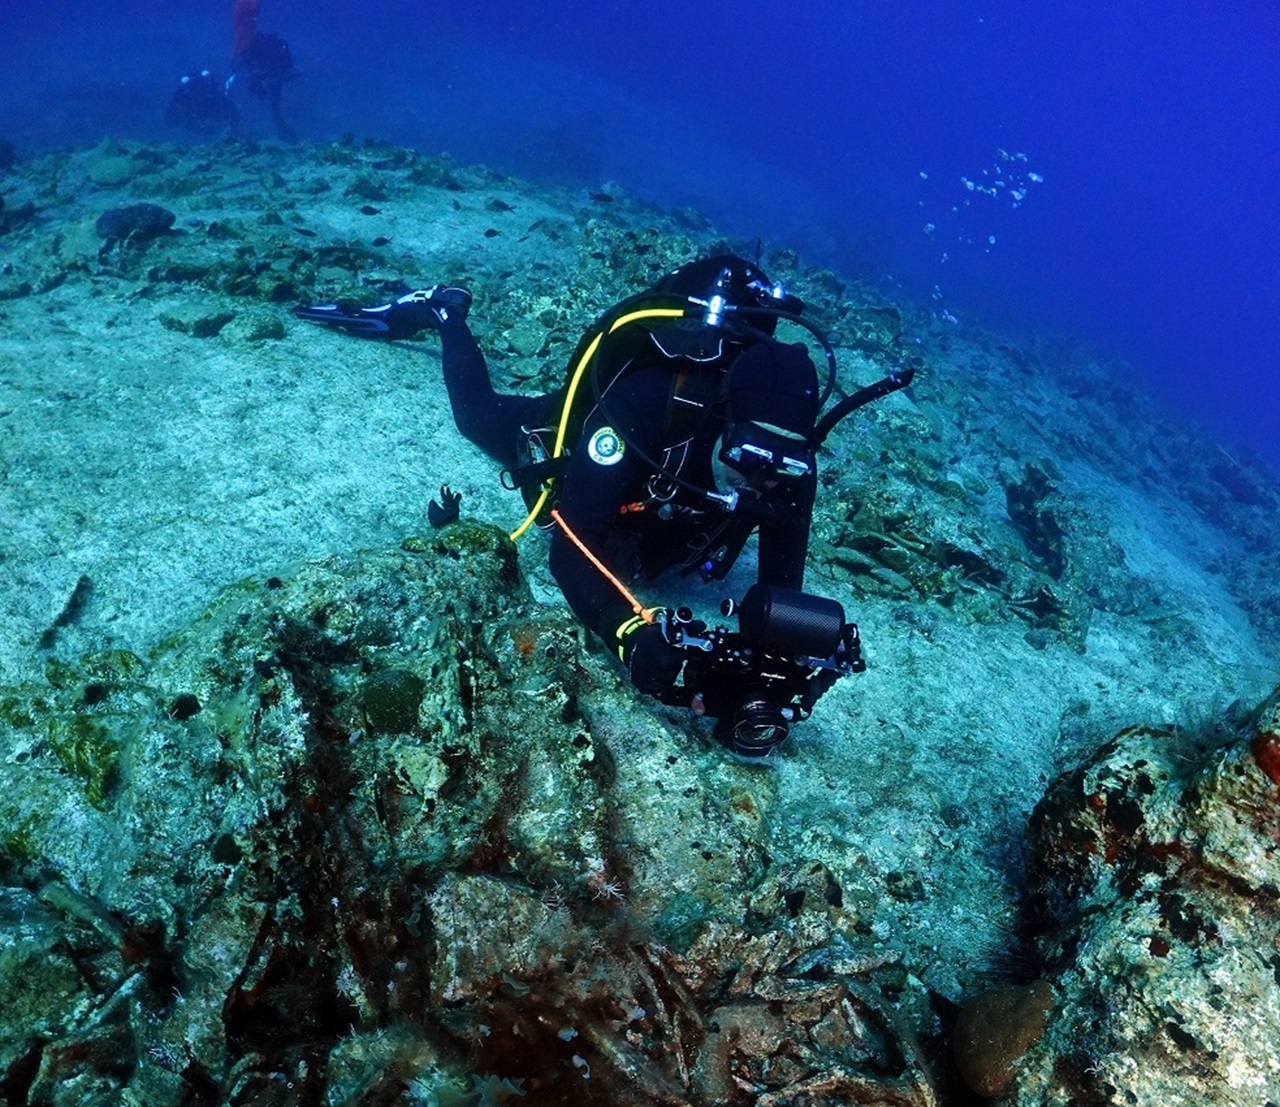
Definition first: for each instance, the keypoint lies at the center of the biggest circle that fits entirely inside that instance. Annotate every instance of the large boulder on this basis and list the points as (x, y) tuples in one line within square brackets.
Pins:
[(380, 830), (1155, 886)]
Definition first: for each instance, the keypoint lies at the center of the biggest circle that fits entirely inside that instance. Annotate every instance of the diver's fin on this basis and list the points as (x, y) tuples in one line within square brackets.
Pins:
[(402, 318), (367, 322)]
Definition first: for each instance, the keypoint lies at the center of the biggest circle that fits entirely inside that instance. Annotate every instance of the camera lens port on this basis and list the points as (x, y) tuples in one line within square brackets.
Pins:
[(755, 728)]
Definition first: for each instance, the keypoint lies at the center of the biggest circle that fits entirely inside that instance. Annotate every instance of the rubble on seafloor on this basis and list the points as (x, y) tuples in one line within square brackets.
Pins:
[(976, 492), (384, 828), (340, 843)]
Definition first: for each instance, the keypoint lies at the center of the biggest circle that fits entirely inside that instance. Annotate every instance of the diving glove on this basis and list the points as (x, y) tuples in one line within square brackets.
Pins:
[(446, 512), (402, 318), (652, 662)]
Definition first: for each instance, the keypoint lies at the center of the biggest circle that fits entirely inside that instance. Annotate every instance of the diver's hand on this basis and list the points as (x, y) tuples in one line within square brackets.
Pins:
[(652, 662), (402, 318)]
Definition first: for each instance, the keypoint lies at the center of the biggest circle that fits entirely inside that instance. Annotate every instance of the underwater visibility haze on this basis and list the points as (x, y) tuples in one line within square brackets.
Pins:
[(886, 140), (320, 783)]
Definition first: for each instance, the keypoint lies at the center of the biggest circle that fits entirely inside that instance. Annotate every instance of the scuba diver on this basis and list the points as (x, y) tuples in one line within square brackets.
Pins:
[(201, 104), (262, 61), (684, 427)]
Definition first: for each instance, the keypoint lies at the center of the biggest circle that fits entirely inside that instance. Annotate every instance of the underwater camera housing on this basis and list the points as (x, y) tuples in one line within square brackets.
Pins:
[(789, 648)]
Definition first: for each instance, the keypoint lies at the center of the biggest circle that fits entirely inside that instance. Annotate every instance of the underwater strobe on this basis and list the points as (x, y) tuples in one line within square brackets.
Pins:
[(790, 647)]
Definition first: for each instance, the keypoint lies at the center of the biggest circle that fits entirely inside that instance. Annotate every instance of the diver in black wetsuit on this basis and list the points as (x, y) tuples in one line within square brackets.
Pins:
[(693, 434), (200, 104), (262, 61)]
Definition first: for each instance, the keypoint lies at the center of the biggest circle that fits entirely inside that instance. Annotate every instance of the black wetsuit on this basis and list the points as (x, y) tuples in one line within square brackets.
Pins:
[(636, 545), (265, 64), (201, 104)]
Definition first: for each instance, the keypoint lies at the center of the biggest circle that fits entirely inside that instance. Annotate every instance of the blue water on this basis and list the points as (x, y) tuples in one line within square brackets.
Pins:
[(1139, 140)]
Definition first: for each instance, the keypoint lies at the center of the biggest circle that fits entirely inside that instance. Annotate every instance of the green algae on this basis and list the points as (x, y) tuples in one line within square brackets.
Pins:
[(18, 710), (114, 664), (21, 840), (391, 701), (467, 539), (89, 747)]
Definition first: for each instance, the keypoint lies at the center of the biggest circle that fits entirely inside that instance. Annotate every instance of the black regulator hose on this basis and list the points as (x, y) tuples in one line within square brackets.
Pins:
[(897, 378)]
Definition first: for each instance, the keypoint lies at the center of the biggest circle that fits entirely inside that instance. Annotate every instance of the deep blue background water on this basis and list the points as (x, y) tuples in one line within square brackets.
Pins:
[(844, 129)]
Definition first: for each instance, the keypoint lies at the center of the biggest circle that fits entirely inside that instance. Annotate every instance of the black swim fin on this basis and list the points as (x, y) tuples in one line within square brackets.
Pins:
[(402, 318)]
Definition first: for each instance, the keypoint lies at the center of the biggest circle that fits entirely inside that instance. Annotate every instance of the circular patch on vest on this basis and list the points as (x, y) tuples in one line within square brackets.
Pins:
[(606, 447)]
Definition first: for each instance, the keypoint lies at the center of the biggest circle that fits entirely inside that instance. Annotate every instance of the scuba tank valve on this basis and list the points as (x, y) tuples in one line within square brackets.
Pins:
[(716, 302)]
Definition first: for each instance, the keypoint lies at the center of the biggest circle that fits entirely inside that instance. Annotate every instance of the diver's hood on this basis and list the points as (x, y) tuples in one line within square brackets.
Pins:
[(774, 383)]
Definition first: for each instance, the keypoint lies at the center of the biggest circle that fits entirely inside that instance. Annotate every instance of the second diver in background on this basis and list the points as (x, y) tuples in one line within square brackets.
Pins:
[(261, 60)]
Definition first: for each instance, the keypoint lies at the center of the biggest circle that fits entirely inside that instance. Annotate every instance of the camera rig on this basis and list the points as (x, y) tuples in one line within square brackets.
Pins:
[(789, 648)]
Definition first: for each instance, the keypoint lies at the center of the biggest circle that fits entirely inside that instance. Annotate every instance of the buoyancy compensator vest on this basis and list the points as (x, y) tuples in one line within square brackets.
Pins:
[(699, 318)]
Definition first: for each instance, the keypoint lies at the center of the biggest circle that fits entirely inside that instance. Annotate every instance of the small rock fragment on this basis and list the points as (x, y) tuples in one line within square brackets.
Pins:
[(198, 324)]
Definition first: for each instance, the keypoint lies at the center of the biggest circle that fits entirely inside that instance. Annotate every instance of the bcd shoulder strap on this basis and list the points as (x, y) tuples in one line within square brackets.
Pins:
[(670, 326)]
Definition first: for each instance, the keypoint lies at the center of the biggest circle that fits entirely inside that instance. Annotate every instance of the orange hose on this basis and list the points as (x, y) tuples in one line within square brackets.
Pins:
[(645, 613)]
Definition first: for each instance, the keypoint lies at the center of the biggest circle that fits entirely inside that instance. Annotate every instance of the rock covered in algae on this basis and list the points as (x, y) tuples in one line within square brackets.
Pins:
[(995, 1030), (136, 221), (379, 830), (42, 985), (1155, 884)]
